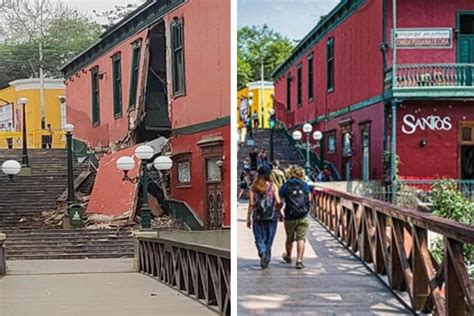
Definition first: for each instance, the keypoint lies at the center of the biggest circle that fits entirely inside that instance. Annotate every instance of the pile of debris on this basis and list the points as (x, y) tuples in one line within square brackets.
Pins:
[(57, 218)]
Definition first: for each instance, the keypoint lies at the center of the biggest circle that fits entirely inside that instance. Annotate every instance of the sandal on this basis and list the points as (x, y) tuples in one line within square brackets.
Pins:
[(299, 265), (286, 258)]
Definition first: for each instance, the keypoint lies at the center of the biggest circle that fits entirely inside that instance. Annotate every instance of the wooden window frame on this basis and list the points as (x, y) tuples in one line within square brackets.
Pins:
[(289, 79), (330, 134), (365, 126), (310, 77), (117, 84), (187, 157), (299, 85), (95, 89), (330, 67), (134, 72), (177, 50)]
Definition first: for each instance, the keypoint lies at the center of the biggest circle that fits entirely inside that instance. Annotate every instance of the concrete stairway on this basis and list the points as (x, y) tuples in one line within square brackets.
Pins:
[(68, 244), (28, 196), (282, 149)]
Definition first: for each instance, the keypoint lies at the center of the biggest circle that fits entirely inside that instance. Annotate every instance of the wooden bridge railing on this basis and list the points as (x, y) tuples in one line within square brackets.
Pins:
[(201, 272), (395, 241)]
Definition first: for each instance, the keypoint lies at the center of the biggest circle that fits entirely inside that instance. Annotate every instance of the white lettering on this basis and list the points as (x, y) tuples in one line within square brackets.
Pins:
[(432, 122)]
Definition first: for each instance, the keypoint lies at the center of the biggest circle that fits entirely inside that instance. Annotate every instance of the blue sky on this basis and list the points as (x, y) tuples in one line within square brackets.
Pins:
[(292, 18)]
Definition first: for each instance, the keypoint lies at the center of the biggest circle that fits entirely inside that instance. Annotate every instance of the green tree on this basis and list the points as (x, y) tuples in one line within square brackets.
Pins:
[(30, 26), (117, 13), (257, 44)]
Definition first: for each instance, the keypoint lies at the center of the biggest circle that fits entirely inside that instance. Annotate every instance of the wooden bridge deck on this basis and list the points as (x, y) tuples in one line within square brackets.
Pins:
[(333, 281), (94, 287)]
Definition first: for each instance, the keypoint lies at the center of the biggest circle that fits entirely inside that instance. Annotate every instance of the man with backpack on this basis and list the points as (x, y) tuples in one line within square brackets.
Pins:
[(296, 195)]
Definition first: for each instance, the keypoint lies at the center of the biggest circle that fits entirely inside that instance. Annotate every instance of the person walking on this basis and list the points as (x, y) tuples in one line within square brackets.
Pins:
[(263, 214), (9, 130), (277, 176), (244, 184), (253, 156), (256, 121), (297, 196)]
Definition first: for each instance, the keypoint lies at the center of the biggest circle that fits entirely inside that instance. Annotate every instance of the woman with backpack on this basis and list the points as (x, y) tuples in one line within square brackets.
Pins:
[(263, 213), (297, 197)]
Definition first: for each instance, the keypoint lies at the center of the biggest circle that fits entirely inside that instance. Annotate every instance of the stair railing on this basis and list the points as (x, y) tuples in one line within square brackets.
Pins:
[(182, 212)]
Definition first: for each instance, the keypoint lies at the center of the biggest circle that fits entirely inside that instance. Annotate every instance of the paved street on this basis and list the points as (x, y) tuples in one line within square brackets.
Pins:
[(333, 282), (82, 287)]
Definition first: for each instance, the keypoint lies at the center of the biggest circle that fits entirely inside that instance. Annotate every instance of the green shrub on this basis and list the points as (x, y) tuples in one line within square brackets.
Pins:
[(449, 202)]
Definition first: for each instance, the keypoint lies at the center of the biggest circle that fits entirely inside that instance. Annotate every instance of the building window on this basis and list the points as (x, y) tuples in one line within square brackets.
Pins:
[(212, 169), (330, 64), (310, 77), (365, 143), (95, 96), (117, 83), (177, 48), (331, 145), (184, 172), (466, 24), (288, 92), (299, 82), (136, 46)]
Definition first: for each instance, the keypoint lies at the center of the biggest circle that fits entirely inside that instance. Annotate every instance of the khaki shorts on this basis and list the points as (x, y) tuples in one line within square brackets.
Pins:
[(296, 229)]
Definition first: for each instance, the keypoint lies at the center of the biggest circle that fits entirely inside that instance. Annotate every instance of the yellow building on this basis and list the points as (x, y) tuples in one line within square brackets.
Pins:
[(38, 117), (249, 100)]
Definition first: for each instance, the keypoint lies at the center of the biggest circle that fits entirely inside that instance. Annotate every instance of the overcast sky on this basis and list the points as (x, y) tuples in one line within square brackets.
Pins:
[(292, 18), (98, 5)]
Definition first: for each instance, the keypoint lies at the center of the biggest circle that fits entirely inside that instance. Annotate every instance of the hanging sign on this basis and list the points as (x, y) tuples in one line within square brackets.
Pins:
[(433, 122), (6, 118), (424, 38)]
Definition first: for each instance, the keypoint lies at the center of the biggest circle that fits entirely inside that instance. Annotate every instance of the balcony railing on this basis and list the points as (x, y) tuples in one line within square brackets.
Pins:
[(431, 80)]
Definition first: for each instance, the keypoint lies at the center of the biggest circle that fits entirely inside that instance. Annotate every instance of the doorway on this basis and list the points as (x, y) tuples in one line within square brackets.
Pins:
[(214, 196), (466, 150), (465, 46)]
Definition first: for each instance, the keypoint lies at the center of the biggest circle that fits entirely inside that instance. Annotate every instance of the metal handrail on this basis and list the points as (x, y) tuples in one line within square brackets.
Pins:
[(34, 138)]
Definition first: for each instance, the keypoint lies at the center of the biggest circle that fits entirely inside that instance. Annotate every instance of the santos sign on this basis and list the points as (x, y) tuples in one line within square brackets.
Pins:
[(432, 122)]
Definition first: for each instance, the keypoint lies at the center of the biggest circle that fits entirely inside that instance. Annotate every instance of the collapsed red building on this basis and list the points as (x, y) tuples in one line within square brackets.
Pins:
[(162, 71), (341, 79)]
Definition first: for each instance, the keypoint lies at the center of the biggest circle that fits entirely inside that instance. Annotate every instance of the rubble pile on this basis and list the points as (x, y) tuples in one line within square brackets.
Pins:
[(57, 218)]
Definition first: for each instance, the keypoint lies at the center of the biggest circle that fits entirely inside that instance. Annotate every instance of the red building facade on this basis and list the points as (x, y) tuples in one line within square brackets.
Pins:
[(340, 79), (163, 71)]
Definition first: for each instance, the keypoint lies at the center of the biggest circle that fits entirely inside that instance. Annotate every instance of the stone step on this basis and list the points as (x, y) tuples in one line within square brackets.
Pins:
[(103, 255)]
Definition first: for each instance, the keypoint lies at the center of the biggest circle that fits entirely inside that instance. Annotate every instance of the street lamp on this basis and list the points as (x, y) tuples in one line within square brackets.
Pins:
[(24, 157), (11, 168), (161, 163), (317, 136), (71, 199), (271, 123)]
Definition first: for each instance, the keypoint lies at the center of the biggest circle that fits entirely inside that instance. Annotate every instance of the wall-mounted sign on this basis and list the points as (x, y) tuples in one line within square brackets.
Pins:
[(424, 38), (6, 118), (435, 123)]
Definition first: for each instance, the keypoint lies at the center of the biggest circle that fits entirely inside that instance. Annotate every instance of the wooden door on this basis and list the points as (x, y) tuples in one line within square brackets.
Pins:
[(214, 201), (466, 150)]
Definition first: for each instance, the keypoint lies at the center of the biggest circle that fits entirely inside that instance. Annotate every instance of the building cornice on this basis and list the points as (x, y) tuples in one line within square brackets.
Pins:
[(257, 85), (327, 24), (35, 84)]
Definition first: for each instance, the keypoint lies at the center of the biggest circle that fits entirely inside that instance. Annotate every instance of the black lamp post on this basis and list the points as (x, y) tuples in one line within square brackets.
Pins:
[(24, 157), (271, 123), (161, 163), (71, 198)]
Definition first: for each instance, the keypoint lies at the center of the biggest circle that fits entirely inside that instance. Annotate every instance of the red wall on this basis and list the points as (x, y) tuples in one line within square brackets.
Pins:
[(207, 62), (79, 97), (195, 195), (429, 14), (442, 150), (357, 45)]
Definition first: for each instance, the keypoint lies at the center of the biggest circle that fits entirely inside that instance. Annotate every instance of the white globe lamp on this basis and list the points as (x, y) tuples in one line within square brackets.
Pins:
[(307, 128), (297, 135), (69, 128), (317, 135), (144, 152), (11, 168), (125, 163), (163, 163)]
